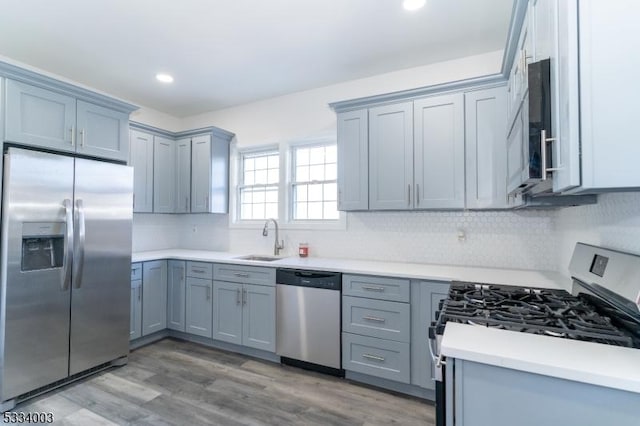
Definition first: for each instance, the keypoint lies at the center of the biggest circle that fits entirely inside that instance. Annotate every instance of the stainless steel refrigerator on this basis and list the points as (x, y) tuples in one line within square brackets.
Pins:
[(65, 266)]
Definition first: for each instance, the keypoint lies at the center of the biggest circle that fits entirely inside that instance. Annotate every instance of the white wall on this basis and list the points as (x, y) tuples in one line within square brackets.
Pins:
[(157, 119)]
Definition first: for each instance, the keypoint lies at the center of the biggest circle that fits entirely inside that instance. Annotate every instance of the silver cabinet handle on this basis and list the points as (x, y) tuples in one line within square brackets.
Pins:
[(237, 296), (376, 319), (373, 357), (186, 203), (417, 194), (68, 246), (372, 288), (79, 256), (139, 293), (409, 194), (208, 293), (198, 271), (73, 135), (83, 134), (244, 296), (241, 274), (543, 154)]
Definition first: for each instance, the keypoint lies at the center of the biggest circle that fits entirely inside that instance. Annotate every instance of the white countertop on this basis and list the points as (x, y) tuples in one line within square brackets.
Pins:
[(545, 279), (594, 363)]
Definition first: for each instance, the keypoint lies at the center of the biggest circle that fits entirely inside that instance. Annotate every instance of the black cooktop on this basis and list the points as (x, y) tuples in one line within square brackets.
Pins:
[(533, 310)]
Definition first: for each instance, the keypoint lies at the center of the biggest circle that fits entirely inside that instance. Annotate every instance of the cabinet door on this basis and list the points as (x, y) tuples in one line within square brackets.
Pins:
[(135, 320), (227, 312), (259, 317), (516, 164), (425, 296), (183, 176), (566, 149), (486, 148), (201, 174), (154, 296), (163, 175), (39, 117), (102, 132), (199, 306), (176, 295), (142, 162), (391, 157), (542, 21), (439, 152), (353, 160)]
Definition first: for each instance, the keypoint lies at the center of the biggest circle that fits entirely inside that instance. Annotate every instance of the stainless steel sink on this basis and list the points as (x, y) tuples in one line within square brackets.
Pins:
[(259, 257)]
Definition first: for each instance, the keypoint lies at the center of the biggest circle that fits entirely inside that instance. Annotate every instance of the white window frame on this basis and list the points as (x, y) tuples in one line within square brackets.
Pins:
[(285, 194)]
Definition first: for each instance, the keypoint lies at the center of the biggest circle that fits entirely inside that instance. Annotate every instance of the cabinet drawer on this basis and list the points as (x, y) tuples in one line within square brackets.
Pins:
[(377, 357), (394, 289), (376, 318), (245, 274), (136, 271), (200, 270)]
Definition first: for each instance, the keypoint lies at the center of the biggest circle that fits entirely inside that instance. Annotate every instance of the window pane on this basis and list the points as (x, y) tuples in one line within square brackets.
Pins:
[(246, 196), (302, 156), (261, 163), (258, 197), (249, 178), (330, 192), (245, 211), (271, 195), (316, 155), (315, 192), (249, 164), (316, 172), (261, 177), (258, 211), (331, 210), (272, 176), (330, 172), (273, 162), (331, 155), (314, 210), (300, 211), (271, 210), (302, 174), (301, 192)]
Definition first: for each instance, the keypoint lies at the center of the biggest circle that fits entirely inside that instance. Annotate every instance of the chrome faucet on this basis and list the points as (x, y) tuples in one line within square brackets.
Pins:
[(277, 245)]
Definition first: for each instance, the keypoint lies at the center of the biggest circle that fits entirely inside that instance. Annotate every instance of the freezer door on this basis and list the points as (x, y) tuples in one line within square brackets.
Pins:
[(102, 264), (35, 297)]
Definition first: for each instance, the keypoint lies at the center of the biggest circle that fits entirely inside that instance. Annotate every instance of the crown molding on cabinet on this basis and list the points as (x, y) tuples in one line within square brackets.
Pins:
[(182, 134), (33, 78)]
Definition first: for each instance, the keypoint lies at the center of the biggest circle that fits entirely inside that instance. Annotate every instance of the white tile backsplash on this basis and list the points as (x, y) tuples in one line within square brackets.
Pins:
[(155, 231)]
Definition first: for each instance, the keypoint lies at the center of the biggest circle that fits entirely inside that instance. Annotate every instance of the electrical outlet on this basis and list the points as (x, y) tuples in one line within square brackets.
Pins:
[(462, 236)]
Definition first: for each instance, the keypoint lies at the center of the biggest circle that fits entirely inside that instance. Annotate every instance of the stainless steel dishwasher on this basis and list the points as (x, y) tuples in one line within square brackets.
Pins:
[(308, 319)]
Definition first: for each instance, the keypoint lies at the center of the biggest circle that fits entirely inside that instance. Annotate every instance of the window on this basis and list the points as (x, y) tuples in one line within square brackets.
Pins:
[(259, 183), (314, 182)]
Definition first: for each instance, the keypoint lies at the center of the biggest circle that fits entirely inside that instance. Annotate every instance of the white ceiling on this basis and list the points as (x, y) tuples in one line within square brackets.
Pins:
[(229, 52)]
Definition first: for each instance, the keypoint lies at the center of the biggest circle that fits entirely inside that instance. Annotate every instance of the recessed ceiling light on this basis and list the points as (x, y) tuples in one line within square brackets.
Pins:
[(165, 78), (412, 5)]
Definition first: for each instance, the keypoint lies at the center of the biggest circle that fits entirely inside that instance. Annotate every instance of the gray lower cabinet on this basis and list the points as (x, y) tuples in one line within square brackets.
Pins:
[(259, 317), (425, 297), (163, 175), (176, 294), (141, 159), (47, 119), (227, 312), (154, 296), (376, 318), (376, 357), (483, 395), (199, 306), (135, 319)]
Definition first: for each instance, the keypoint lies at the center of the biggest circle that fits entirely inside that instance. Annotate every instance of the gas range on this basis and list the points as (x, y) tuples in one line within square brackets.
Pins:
[(542, 311)]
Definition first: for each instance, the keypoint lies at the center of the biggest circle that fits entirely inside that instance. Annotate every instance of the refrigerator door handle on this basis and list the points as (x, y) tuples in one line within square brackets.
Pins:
[(68, 246), (79, 258)]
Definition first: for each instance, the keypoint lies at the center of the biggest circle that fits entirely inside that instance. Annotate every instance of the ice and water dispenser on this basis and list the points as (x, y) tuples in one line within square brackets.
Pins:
[(42, 245)]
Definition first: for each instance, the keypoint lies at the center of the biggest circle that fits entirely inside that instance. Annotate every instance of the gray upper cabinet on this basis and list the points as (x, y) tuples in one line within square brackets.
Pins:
[(40, 117), (209, 174), (486, 148), (163, 175), (391, 157), (102, 132), (259, 317), (154, 296), (353, 163), (439, 152), (516, 163), (141, 160), (176, 293), (48, 119), (183, 176), (199, 306), (425, 297)]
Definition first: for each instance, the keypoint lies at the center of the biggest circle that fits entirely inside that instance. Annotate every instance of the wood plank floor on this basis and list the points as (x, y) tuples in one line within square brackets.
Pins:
[(180, 383)]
